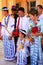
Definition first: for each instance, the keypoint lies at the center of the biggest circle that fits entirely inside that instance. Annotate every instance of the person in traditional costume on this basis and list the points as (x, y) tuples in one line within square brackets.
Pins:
[(6, 33), (23, 24), (35, 34), (22, 21), (40, 17), (40, 10), (15, 16), (22, 48)]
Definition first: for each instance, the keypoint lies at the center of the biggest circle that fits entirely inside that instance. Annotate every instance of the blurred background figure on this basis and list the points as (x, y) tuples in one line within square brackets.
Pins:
[(14, 14), (40, 17), (40, 14)]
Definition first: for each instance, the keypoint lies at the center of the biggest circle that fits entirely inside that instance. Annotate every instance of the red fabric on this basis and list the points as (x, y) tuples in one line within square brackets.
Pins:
[(16, 33), (34, 30)]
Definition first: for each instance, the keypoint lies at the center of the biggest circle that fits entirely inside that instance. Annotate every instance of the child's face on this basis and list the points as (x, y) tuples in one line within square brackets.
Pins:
[(32, 17), (21, 35)]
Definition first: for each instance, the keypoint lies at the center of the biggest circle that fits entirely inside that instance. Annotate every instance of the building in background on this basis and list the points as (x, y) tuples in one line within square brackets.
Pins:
[(27, 4)]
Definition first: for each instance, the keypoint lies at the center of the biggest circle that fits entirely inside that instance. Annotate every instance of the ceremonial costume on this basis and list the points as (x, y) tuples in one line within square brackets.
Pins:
[(35, 49), (7, 28)]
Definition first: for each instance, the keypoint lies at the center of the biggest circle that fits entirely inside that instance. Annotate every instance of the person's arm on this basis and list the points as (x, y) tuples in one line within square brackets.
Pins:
[(39, 34), (30, 39), (12, 22)]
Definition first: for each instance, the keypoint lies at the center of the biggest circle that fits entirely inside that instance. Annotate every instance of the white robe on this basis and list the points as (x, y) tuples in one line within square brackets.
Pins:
[(9, 52), (23, 23), (22, 54), (41, 17)]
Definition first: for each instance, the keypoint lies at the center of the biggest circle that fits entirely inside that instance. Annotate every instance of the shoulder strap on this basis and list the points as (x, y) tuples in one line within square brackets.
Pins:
[(18, 23), (5, 26), (6, 22)]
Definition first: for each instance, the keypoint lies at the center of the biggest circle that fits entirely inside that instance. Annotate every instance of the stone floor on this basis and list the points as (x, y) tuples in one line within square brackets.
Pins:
[(2, 62), (1, 51)]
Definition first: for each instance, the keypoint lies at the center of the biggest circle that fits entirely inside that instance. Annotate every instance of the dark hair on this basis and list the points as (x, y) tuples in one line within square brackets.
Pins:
[(13, 8), (40, 6), (21, 9), (33, 12), (5, 8), (23, 34)]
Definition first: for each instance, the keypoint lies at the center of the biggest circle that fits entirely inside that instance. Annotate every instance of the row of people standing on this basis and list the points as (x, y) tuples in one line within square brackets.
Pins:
[(8, 25)]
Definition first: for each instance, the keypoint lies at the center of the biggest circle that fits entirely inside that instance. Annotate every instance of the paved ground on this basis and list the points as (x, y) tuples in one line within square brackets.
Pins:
[(2, 62), (1, 51)]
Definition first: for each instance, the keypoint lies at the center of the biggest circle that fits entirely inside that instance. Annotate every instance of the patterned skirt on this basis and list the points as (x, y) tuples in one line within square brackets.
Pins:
[(36, 52), (22, 57), (9, 49)]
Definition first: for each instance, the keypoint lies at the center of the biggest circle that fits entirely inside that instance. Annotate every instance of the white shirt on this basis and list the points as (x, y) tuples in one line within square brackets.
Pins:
[(10, 26), (23, 23), (41, 17), (40, 24)]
